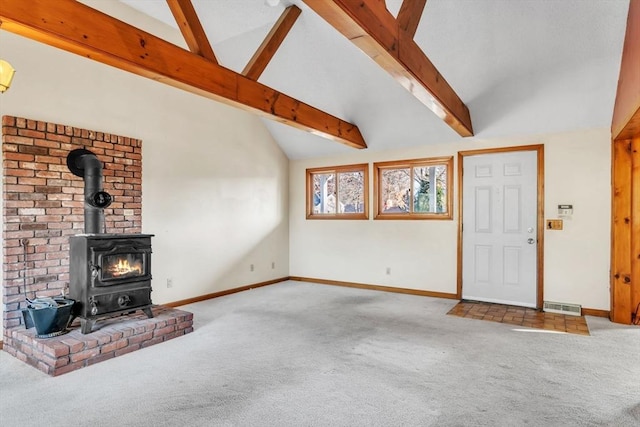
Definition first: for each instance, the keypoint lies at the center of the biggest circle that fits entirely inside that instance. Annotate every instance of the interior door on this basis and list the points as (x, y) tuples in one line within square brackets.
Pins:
[(499, 221)]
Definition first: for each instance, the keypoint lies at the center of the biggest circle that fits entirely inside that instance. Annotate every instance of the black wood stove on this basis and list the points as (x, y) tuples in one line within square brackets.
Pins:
[(108, 273)]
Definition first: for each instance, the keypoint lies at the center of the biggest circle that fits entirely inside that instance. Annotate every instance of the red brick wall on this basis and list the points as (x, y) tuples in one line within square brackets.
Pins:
[(43, 202)]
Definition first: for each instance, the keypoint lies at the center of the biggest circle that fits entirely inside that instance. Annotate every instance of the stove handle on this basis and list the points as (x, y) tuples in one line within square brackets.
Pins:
[(94, 306), (124, 300), (95, 270)]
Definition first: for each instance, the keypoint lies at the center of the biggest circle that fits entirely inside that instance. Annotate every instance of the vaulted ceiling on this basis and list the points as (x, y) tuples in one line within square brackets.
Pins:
[(522, 67)]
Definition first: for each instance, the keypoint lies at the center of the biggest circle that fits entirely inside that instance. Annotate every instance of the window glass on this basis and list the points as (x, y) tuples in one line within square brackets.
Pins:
[(430, 189), (395, 189), (351, 192), (324, 190), (414, 189), (339, 192)]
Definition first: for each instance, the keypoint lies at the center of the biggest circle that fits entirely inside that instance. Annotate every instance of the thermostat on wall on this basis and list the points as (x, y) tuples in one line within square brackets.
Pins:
[(565, 211)]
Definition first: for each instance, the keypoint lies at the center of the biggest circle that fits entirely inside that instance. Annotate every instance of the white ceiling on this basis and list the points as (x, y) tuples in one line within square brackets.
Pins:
[(522, 67)]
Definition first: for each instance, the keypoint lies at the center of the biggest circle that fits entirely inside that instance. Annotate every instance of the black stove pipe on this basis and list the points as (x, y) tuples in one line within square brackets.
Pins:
[(85, 164)]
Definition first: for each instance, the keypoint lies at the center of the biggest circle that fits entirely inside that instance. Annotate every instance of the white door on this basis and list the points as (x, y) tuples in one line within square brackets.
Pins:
[(499, 221)]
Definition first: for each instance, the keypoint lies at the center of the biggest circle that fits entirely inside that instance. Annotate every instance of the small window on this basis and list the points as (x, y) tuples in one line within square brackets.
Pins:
[(414, 189), (339, 192)]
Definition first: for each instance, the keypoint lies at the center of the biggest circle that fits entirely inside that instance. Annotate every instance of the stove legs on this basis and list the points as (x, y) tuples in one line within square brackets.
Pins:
[(86, 325), (147, 311)]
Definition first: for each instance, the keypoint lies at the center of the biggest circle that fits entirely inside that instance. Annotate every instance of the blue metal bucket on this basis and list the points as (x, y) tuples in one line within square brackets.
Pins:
[(50, 316)]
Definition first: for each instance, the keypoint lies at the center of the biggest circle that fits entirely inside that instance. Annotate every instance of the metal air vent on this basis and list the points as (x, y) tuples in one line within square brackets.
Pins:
[(562, 308)]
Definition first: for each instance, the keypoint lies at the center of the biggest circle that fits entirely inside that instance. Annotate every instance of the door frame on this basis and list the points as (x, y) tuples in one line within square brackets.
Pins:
[(539, 148)]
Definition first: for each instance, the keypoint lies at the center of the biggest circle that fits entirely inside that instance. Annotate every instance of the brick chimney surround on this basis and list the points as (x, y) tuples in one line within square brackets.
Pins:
[(42, 207)]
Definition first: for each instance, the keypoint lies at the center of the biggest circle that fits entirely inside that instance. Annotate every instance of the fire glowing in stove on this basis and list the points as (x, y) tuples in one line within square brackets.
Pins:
[(124, 268)]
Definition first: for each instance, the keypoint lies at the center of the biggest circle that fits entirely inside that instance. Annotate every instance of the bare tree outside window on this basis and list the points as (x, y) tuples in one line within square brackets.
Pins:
[(339, 192), (324, 190), (351, 192), (414, 189), (395, 189), (430, 189)]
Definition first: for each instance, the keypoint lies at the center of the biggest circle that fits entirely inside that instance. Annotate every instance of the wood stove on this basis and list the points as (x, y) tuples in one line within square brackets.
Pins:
[(109, 274)]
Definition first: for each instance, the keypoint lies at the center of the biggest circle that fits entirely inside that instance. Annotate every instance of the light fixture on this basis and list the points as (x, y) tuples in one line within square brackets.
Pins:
[(6, 75)]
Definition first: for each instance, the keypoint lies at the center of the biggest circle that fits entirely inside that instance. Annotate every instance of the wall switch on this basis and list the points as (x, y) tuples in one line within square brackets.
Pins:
[(388, 270), (251, 267), (169, 283), (554, 224), (273, 265)]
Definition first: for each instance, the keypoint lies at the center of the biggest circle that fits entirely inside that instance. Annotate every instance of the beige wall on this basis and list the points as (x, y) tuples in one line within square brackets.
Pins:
[(422, 254), (220, 195), (215, 184)]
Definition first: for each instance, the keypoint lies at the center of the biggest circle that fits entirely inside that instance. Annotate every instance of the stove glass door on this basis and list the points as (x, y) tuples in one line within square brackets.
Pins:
[(122, 266)]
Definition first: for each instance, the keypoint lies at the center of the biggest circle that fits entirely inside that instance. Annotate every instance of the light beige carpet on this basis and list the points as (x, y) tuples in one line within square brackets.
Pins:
[(300, 354)]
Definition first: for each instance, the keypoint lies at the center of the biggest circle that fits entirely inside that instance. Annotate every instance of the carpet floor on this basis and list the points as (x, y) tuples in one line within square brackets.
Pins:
[(301, 354)]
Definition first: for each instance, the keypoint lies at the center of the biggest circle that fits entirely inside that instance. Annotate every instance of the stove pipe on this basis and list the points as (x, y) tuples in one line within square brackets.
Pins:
[(84, 163)]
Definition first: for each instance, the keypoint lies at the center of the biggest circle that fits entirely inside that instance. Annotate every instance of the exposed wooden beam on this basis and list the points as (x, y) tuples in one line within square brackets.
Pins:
[(375, 31), (410, 14), (77, 28), (626, 111), (191, 29), (271, 43)]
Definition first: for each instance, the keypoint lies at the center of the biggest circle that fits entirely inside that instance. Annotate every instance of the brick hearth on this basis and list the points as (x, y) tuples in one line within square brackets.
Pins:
[(112, 337)]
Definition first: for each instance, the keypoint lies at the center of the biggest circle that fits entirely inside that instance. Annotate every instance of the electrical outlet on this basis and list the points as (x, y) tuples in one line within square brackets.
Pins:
[(251, 267), (388, 270), (273, 265), (169, 283)]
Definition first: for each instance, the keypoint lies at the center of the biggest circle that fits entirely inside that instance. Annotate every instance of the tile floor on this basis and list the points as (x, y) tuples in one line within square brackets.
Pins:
[(521, 316)]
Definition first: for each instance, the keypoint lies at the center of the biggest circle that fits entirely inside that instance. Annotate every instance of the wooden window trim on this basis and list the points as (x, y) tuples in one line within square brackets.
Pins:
[(361, 167), (397, 164)]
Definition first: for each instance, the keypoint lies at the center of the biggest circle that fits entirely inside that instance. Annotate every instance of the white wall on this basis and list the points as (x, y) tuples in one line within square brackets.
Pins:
[(422, 254), (219, 194), (215, 184)]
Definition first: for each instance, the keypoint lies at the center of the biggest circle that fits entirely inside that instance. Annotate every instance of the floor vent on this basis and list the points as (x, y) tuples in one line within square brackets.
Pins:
[(562, 308)]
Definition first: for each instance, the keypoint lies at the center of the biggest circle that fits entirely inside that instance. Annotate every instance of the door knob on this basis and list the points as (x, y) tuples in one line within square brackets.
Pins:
[(531, 240)]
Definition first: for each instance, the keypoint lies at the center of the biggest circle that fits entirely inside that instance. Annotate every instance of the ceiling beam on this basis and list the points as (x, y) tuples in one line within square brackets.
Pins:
[(77, 28), (410, 14), (376, 32), (625, 123), (191, 29), (271, 43)]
